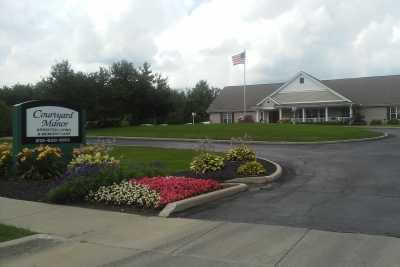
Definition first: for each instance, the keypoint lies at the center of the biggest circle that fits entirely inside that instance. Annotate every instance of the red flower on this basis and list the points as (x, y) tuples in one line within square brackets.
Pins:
[(174, 188)]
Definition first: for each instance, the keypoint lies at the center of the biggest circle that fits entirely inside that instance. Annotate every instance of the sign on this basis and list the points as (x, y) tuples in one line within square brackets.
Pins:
[(47, 122), (50, 123)]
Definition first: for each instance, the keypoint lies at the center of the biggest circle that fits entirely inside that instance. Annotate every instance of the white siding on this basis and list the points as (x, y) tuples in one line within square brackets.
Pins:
[(374, 113), (268, 103), (308, 85), (310, 91), (215, 117)]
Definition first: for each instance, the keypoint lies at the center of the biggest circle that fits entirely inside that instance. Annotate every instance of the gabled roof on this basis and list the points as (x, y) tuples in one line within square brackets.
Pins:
[(231, 97), (367, 91)]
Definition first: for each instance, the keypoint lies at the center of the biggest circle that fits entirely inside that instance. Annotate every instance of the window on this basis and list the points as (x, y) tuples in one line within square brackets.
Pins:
[(393, 113), (227, 117), (301, 80)]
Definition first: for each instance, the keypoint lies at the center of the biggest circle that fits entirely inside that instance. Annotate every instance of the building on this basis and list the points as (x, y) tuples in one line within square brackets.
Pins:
[(304, 98)]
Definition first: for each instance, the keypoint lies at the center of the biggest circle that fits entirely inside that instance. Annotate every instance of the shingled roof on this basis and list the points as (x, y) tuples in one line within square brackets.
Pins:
[(366, 91), (231, 97)]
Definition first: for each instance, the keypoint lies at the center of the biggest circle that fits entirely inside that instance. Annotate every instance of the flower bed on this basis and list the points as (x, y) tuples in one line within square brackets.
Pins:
[(175, 188), (152, 192)]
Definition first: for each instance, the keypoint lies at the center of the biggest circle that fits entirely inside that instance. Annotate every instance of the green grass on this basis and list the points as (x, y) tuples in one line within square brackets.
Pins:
[(8, 232), (266, 132), (172, 159)]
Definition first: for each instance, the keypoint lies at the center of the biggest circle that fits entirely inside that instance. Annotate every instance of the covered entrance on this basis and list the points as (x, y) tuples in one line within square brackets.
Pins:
[(268, 116)]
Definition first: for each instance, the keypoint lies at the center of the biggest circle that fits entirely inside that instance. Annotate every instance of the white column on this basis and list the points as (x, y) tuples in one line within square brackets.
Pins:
[(351, 111), (304, 114), (266, 116), (257, 116), (280, 114), (326, 114)]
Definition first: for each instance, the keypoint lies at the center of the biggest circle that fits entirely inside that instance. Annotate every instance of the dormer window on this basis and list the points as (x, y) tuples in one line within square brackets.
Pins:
[(301, 80)]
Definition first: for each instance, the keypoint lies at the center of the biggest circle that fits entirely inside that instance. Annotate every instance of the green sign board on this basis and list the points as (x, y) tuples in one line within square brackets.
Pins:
[(47, 123)]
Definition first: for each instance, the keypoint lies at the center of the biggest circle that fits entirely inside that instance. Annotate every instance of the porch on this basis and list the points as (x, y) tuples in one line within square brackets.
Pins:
[(299, 114)]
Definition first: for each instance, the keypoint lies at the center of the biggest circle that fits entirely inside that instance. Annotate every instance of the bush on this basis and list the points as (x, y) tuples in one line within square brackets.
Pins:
[(376, 122), (251, 168), (206, 162), (92, 156), (126, 193), (76, 187), (5, 159), (110, 123), (246, 119), (91, 124), (41, 162), (393, 122), (240, 153), (359, 122)]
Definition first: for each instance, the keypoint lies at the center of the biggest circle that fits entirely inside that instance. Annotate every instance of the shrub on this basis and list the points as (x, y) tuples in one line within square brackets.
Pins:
[(126, 193), (251, 168), (376, 122), (5, 159), (92, 156), (206, 162), (91, 124), (393, 121), (110, 123), (76, 187), (174, 188), (89, 150), (359, 122), (41, 162), (240, 153), (246, 119)]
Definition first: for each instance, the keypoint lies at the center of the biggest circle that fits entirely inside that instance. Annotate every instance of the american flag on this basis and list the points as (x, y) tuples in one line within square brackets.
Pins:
[(239, 58)]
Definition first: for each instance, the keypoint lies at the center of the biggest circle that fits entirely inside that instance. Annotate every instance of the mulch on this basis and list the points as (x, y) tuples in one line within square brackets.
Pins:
[(27, 190), (228, 172)]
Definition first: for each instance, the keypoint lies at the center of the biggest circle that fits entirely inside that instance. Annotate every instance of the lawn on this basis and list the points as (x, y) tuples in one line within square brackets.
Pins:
[(171, 159), (8, 232), (266, 132)]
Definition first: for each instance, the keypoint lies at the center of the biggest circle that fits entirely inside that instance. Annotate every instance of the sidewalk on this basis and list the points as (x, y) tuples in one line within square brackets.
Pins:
[(103, 238)]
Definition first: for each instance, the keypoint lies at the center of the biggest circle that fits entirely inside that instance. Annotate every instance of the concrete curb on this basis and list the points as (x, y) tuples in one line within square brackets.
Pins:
[(230, 189), (384, 135), (25, 239), (260, 179)]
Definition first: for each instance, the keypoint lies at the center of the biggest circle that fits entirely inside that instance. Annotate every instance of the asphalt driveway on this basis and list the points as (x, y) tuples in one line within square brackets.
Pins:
[(349, 187)]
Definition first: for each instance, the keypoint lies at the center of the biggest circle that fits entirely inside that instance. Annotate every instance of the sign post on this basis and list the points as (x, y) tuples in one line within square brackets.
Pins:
[(193, 115), (50, 123)]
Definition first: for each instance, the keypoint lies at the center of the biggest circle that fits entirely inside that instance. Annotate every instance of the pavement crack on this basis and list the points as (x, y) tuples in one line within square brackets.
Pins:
[(292, 247)]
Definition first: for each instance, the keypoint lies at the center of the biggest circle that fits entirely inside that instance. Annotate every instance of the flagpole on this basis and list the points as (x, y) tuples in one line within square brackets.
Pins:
[(244, 85)]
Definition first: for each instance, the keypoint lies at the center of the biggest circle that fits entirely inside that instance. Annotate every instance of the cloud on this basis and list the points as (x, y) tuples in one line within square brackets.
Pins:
[(194, 39)]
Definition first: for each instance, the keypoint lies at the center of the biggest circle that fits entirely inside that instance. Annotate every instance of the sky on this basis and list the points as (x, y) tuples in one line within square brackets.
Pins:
[(189, 40)]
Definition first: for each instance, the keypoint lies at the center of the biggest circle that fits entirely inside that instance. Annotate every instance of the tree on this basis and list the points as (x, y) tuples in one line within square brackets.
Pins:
[(5, 119), (118, 92), (17, 93), (199, 99)]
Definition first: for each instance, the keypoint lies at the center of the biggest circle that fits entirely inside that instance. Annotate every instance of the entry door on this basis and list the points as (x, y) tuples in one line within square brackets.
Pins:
[(273, 116)]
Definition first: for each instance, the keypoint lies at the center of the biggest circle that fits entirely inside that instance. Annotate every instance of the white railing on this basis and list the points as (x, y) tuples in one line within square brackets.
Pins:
[(320, 119)]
